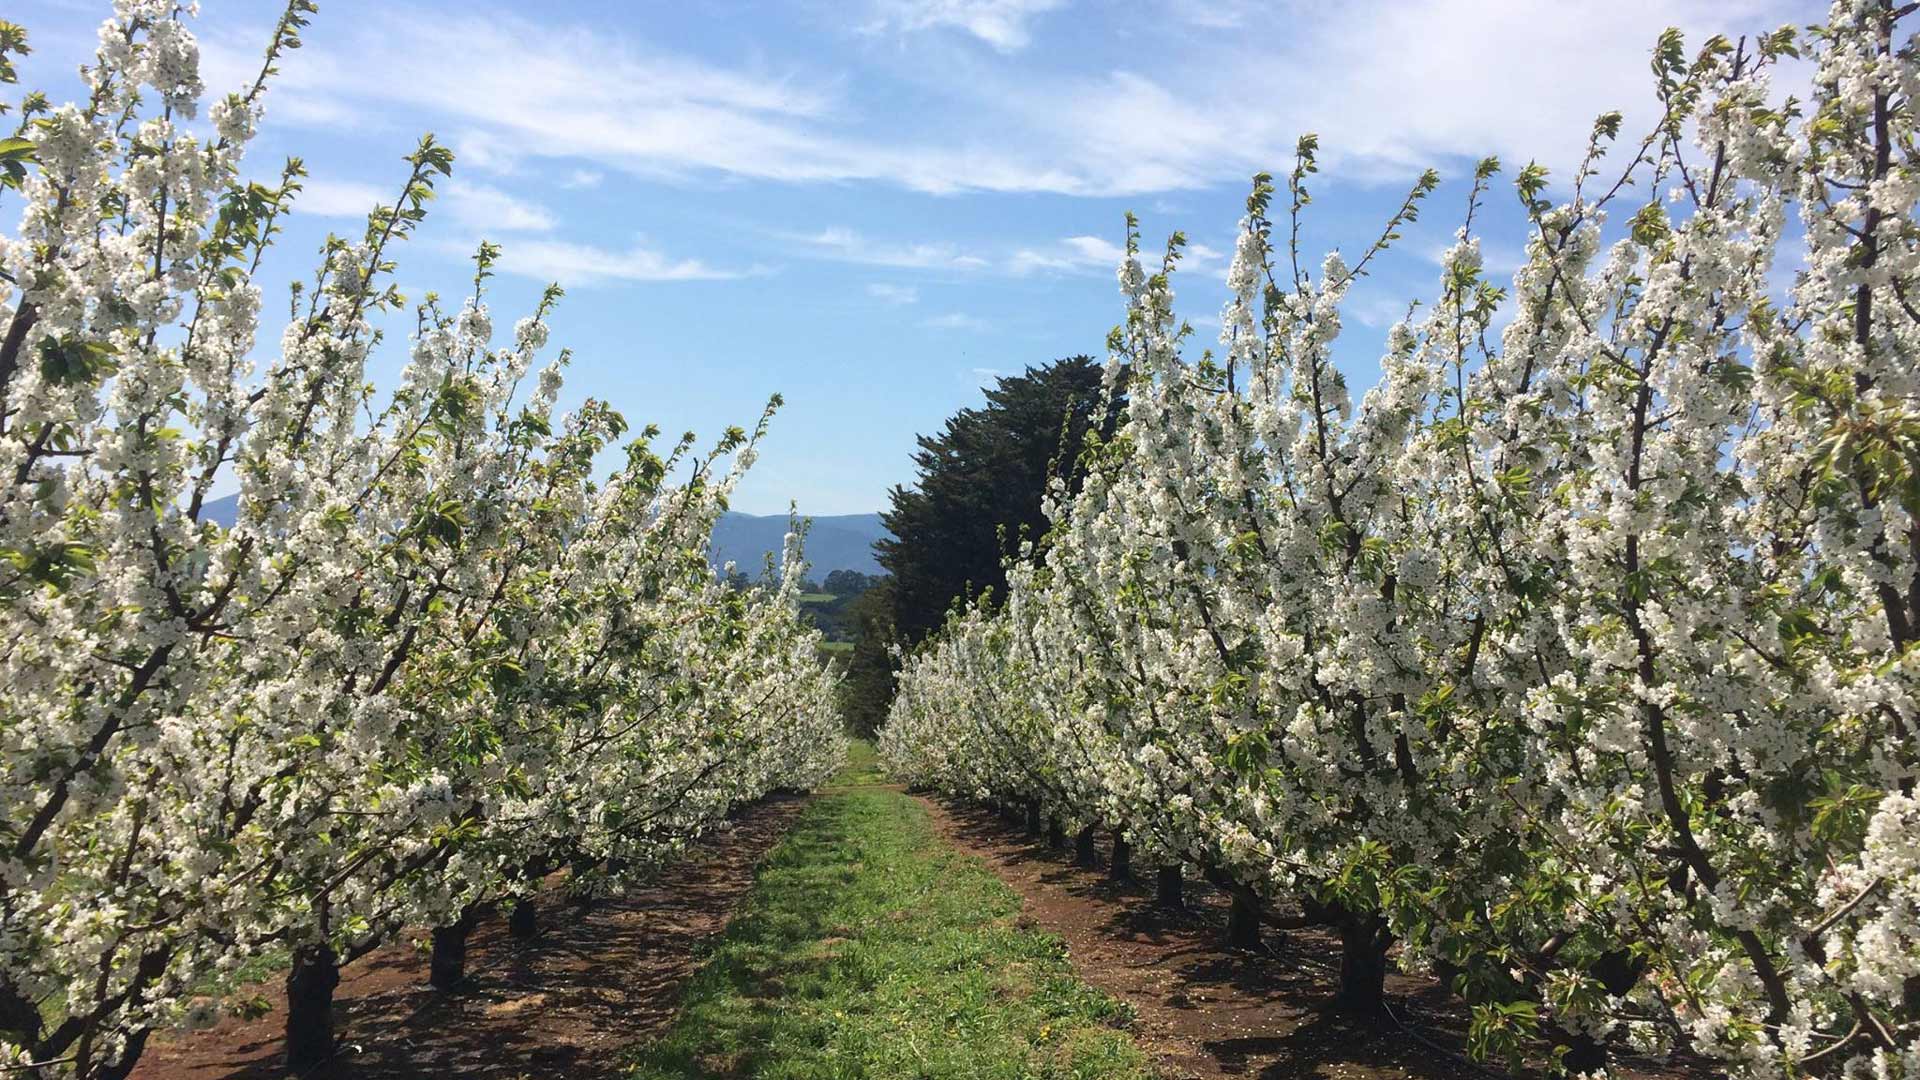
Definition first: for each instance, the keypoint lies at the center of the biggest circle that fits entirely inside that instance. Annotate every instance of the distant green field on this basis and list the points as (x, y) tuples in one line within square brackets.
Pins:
[(817, 598), (836, 646)]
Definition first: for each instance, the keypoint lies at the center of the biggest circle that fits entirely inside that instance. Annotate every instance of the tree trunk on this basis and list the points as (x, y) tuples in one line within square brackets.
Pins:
[(1084, 851), (1243, 919), (123, 1067), (19, 1017), (1120, 868), (1363, 965), (577, 873), (1583, 1053), (1033, 817), (1171, 892), (448, 964), (316, 971), (1056, 833), (524, 922)]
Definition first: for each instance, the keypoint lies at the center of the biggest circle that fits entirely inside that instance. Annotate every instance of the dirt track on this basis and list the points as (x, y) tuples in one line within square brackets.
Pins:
[(572, 1001), (1208, 1011), (1203, 1009), (564, 1004)]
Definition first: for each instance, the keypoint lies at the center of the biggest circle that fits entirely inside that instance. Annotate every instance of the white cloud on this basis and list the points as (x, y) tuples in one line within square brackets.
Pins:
[(487, 209), (1075, 254), (573, 264), (476, 207), (1094, 254), (1202, 257), (582, 178), (507, 89), (1000, 23), (1390, 88), (957, 321), (1095, 249), (894, 294), (846, 245), (340, 198), (1379, 312), (1070, 255), (1029, 260), (1213, 14)]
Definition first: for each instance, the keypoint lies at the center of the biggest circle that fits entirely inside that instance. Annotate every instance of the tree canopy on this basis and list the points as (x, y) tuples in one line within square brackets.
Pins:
[(980, 487)]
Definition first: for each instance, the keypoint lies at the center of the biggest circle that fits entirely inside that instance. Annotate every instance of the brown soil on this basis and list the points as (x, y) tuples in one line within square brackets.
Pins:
[(1206, 1010), (566, 1003)]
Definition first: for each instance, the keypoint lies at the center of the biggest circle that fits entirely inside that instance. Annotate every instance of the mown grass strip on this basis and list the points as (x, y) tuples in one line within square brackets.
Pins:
[(862, 768), (869, 949)]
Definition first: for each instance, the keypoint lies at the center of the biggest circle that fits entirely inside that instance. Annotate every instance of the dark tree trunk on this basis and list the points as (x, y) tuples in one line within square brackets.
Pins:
[(1056, 833), (1243, 919), (316, 971), (19, 1016), (129, 1057), (524, 922), (1084, 850), (1170, 891), (1120, 868), (448, 964), (1033, 817), (1363, 965), (1583, 1053), (577, 874)]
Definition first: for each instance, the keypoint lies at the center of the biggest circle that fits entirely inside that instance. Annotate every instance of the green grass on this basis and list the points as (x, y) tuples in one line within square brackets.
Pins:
[(862, 767), (867, 948), (816, 598)]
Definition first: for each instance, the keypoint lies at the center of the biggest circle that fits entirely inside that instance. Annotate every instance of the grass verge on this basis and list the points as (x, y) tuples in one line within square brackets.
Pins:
[(867, 948)]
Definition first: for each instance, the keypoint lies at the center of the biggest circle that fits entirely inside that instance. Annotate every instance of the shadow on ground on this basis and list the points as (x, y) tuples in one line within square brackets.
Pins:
[(568, 1003)]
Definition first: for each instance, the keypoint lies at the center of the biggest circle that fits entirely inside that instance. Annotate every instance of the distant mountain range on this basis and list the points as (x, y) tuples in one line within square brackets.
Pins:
[(839, 542)]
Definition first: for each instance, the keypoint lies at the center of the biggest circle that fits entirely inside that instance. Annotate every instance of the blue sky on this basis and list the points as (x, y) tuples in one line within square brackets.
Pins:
[(874, 206)]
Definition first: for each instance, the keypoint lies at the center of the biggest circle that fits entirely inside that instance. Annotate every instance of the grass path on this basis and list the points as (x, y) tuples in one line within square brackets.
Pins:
[(868, 948)]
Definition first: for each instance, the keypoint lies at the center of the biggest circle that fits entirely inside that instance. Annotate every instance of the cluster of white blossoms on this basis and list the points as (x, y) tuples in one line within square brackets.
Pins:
[(437, 656), (1578, 656)]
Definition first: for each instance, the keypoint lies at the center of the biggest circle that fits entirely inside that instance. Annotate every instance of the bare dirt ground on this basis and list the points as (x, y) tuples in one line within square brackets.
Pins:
[(566, 1003), (1204, 1009)]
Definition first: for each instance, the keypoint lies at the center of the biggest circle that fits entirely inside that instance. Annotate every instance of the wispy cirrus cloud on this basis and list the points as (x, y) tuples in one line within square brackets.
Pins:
[(1003, 24), (1093, 254), (898, 295), (843, 244), (584, 265), (1390, 88), (484, 208), (956, 320), (473, 206), (486, 211), (339, 198)]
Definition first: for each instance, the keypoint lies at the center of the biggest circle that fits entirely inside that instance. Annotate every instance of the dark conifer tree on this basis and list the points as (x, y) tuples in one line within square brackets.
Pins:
[(981, 483)]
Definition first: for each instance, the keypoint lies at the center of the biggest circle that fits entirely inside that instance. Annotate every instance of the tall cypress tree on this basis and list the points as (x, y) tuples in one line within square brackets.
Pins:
[(981, 478)]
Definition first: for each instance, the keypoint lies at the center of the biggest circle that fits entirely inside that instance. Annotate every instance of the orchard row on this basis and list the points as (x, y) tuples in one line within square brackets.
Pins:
[(1575, 661), (435, 657)]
